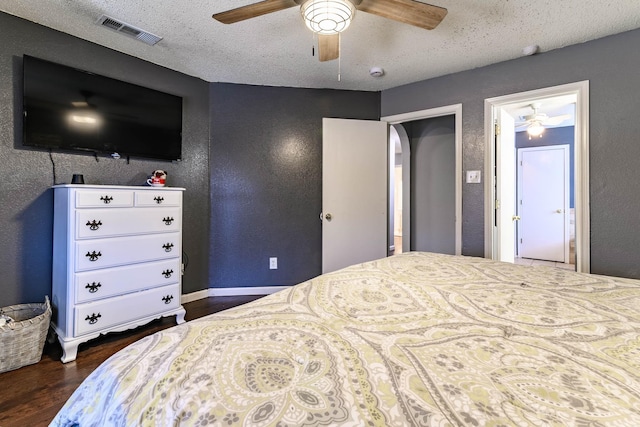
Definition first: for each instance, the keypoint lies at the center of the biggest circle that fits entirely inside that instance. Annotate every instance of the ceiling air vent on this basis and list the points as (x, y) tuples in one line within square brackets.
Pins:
[(129, 30)]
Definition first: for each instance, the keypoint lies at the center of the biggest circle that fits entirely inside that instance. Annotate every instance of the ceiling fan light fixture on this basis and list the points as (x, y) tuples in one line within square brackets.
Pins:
[(327, 16), (535, 129)]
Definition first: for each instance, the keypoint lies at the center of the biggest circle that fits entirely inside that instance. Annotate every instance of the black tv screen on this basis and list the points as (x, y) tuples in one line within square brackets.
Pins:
[(70, 109)]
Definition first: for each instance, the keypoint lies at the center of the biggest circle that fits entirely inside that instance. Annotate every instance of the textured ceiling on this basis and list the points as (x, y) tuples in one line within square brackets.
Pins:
[(276, 49)]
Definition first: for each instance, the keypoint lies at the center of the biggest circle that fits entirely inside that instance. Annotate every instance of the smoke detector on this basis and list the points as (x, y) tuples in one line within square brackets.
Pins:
[(376, 72)]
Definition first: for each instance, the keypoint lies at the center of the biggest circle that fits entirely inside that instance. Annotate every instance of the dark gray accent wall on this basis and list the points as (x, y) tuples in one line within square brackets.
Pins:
[(26, 200), (611, 65), (266, 179)]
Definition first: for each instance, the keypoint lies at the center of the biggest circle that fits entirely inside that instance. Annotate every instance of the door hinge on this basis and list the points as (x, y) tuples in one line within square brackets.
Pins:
[(497, 129), (497, 204)]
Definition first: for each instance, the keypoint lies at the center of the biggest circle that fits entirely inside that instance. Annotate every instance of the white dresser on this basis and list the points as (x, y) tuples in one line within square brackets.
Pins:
[(117, 260)]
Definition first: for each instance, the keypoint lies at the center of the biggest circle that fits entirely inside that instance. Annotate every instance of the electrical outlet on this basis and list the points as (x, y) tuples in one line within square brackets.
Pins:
[(273, 263)]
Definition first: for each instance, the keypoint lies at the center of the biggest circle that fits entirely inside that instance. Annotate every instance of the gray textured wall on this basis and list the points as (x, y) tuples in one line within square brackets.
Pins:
[(266, 179), (26, 200), (433, 184), (611, 65)]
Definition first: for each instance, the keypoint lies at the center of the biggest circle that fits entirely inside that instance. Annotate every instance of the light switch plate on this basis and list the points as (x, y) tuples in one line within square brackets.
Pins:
[(473, 177)]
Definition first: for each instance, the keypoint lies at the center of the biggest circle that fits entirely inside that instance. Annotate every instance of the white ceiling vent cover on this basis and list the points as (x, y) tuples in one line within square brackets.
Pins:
[(129, 30)]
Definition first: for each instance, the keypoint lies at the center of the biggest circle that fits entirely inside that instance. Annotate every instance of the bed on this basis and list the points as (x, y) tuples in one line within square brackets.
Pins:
[(417, 339)]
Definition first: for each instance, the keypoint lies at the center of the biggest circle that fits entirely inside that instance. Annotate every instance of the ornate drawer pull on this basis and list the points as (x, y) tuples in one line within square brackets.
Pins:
[(158, 199), (93, 225), (167, 247), (167, 273), (93, 287), (168, 220), (93, 318), (167, 299), (93, 256), (106, 199)]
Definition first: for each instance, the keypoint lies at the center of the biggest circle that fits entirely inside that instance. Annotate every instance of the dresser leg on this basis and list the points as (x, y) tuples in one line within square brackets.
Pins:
[(180, 315), (69, 351)]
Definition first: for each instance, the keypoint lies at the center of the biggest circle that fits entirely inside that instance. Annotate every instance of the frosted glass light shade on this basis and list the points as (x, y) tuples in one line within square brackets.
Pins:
[(328, 16), (535, 129)]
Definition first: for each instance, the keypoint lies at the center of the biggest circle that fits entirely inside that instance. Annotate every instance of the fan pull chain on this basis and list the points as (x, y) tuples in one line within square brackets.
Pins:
[(314, 38)]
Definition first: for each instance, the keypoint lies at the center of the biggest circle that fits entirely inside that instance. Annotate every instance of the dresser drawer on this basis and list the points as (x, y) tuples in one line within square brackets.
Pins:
[(104, 198), (92, 223), (98, 284), (158, 198), (116, 251), (94, 316)]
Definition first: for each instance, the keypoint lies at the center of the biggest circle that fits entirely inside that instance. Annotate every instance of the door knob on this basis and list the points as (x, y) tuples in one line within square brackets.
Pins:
[(515, 218), (559, 211), (328, 217)]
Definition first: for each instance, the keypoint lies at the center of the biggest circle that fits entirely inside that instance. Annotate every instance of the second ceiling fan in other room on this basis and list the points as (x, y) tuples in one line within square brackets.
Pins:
[(328, 18), (536, 122)]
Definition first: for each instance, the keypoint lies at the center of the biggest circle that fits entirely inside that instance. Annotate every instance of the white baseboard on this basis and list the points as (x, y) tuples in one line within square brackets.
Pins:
[(227, 292), (194, 296), (257, 290)]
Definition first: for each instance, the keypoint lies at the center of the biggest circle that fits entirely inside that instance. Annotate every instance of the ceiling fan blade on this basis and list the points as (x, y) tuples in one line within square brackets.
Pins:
[(328, 47), (556, 120), (253, 10), (410, 12)]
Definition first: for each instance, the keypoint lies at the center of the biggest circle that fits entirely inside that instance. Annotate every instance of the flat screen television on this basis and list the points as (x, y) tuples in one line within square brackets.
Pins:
[(70, 109)]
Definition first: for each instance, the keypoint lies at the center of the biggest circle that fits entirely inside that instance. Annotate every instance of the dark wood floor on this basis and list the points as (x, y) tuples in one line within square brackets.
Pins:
[(33, 395)]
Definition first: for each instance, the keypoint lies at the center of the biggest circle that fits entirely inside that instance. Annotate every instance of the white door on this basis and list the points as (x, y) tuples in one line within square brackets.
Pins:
[(354, 192), (543, 203), (505, 187)]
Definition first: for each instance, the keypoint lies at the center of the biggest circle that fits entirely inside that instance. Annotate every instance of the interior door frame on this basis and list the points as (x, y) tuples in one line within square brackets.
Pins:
[(447, 110), (505, 187), (581, 159)]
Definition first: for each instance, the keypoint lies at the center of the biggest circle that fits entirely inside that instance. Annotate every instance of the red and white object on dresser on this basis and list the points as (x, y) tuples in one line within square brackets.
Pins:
[(117, 260)]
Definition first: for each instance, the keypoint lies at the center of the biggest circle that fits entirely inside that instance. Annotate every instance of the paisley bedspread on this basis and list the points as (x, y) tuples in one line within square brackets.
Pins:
[(417, 339)]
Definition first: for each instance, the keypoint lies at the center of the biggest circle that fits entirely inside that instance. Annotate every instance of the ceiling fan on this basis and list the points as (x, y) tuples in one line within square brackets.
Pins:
[(328, 18), (536, 121)]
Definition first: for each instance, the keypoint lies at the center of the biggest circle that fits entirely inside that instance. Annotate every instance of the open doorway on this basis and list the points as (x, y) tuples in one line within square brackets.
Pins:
[(545, 181), (504, 205), (402, 176)]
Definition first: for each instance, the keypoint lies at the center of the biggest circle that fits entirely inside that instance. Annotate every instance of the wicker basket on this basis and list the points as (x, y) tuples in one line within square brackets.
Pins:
[(22, 341)]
